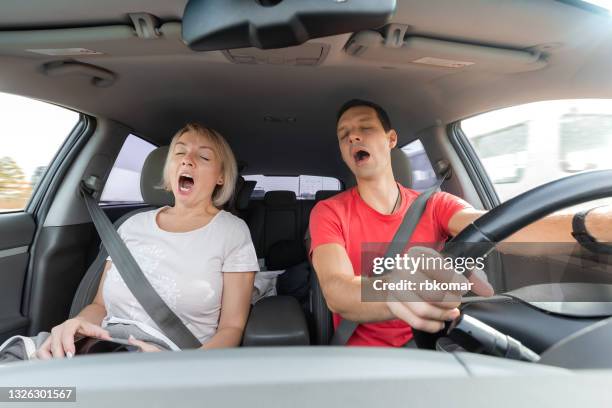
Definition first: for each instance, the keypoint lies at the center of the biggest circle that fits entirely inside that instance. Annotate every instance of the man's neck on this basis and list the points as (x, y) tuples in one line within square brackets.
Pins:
[(381, 194)]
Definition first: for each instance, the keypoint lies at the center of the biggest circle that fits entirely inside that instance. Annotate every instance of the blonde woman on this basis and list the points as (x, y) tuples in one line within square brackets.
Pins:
[(198, 257)]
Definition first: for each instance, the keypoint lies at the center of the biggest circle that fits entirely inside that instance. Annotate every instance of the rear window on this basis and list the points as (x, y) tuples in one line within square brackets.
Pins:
[(305, 187)]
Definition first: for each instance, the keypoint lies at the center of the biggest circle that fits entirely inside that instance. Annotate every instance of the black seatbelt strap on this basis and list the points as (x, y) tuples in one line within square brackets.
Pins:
[(411, 219), (132, 275)]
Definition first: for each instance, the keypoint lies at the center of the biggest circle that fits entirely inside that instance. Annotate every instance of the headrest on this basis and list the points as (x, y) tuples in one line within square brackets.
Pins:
[(280, 198), (325, 194), (151, 178), (402, 171), (243, 194)]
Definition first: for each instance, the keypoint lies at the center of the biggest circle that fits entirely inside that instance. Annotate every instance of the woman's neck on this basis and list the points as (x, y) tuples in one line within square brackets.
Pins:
[(199, 211)]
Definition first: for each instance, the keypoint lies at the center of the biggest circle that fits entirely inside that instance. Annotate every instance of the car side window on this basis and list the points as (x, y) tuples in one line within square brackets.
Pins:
[(123, 183), (525, 146), (31, 133), (423, 174)]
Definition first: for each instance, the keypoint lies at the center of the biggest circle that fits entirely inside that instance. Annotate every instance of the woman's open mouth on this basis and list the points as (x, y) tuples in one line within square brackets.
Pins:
[(185, 183)]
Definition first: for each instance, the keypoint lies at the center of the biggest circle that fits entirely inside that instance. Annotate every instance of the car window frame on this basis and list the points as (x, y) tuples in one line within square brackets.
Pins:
[(471, 162)]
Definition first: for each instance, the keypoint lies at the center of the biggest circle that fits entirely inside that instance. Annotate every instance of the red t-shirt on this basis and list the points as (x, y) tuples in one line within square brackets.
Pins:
[(347, 220)]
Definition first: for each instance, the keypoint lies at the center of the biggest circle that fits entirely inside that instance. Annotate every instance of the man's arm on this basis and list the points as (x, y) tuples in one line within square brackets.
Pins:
[(555, 228), (342, 291)]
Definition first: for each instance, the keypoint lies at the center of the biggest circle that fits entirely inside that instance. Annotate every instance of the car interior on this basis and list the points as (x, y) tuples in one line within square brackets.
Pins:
[(147, 67)]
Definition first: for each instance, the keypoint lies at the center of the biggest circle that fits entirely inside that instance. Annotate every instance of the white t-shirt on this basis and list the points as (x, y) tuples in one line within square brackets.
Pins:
[(185, 268)]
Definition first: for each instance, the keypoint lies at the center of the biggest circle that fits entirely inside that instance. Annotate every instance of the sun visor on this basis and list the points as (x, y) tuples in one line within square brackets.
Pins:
[(397, 49), (210, 25), (92, 42)]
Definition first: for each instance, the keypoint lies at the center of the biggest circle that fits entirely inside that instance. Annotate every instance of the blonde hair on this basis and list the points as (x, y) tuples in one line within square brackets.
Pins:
[(229, 169)]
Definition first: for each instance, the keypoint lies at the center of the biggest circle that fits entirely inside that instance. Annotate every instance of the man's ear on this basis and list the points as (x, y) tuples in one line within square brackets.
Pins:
[(392, 138)]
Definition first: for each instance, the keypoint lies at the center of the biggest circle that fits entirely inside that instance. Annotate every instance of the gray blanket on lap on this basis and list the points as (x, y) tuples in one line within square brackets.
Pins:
[(20, 348)]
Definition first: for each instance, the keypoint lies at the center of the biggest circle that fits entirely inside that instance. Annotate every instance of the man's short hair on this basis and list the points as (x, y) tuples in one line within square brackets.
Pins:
[(380, 112)]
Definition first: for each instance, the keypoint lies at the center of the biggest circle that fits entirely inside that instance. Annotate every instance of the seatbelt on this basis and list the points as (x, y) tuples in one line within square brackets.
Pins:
[(411, 219), (132, 275)]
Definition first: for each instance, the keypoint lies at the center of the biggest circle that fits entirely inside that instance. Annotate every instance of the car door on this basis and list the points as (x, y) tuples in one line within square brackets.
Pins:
[(34, 140)]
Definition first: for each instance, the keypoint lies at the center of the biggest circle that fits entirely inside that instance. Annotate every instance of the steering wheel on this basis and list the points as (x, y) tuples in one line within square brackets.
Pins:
[(480, 237)]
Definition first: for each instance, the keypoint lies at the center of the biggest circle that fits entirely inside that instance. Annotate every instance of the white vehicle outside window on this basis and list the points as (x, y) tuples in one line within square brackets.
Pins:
[(525, 146)]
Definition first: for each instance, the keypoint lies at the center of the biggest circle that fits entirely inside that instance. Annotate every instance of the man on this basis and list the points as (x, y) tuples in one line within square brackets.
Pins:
[(373, 211)]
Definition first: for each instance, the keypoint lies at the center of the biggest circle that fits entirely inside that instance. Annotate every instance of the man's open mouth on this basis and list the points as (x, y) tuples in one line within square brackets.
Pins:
[(186, 182), (361, 156)]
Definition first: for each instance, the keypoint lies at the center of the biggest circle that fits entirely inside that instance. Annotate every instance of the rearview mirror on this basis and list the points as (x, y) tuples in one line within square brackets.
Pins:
[(225, 24)]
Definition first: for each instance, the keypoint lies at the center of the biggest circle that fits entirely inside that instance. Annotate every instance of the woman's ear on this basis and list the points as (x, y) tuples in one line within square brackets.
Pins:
[(220, 181)]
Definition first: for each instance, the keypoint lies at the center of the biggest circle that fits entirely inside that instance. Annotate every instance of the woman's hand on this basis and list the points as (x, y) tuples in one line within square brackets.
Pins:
[(144, 346), (60, 343)]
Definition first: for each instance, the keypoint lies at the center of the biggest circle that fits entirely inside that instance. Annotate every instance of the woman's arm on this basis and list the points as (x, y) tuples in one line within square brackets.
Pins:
[(235, 307)]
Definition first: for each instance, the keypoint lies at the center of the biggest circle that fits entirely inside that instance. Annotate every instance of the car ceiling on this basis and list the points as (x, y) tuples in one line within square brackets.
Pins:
[(161, 84)]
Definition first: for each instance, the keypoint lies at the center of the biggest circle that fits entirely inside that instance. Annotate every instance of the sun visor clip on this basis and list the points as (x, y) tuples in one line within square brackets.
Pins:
[(146, 25), (394, 35)]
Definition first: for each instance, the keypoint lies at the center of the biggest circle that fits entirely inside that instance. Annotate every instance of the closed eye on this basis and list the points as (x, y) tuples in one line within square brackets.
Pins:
[(205, 158)]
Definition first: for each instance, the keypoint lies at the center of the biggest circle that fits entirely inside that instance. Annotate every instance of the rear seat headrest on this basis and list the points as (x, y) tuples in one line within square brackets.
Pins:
[(325, 194), (151, 178), (243, 194), (280, 198)]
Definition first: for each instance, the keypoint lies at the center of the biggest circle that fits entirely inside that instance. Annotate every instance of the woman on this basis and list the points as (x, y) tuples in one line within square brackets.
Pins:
[(199, 258)]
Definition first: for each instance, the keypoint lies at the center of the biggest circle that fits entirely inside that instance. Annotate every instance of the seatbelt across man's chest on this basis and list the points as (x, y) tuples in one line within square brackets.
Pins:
[(402, 236)]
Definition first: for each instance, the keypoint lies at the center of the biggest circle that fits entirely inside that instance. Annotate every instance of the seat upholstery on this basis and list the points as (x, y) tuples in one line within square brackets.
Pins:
[(274, 219), (240, 201), (325, 194), (402, 170), (282, 216), (151, 179)]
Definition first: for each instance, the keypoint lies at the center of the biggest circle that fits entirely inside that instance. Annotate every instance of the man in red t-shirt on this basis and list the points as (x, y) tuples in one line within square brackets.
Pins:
[(371, 212)]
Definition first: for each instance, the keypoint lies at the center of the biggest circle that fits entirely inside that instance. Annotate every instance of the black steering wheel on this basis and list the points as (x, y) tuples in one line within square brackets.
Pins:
[(481, 236)]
